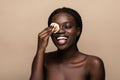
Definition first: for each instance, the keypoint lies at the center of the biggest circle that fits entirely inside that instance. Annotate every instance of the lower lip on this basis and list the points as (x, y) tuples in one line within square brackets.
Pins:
[(62, 41)]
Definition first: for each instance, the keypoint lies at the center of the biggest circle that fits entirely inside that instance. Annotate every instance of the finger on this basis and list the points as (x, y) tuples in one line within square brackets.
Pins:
[(45, 31), (45, 35)]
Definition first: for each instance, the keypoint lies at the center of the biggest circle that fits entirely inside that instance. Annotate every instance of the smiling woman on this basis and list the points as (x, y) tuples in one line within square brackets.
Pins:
[(67, 34), (67, 62)]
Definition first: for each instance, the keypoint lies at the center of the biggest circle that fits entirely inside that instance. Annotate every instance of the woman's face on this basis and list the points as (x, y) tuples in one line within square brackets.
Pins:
[(66, 36)]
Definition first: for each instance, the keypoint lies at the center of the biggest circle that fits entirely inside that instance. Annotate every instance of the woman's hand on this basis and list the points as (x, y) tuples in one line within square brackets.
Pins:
[(43, 38)]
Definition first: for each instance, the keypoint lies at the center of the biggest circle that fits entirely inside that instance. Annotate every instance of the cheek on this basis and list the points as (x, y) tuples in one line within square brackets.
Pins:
[(72, 32), (73, 35)]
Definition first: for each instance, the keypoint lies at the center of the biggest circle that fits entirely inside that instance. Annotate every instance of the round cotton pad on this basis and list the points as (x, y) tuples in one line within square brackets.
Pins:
[(55, 27)]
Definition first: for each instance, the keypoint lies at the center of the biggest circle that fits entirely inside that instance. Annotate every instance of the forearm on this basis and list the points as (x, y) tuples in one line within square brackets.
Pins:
[(38, 62), (37, 66)]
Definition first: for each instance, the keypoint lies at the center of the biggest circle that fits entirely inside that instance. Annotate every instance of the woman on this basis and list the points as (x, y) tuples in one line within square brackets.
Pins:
[(67, 62)]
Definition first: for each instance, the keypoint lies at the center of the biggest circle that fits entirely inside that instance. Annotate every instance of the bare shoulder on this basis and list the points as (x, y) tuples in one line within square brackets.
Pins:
[(94, 61), (95, 66)]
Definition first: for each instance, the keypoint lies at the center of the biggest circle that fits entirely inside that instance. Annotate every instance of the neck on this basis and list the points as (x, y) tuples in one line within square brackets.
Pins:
[(68, 53)]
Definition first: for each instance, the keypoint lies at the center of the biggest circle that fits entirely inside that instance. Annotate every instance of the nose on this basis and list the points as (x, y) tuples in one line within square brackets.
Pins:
[(61, 30)]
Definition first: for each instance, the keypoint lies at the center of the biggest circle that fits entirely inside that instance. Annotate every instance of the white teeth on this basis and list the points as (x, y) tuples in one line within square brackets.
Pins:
[(58, 38)]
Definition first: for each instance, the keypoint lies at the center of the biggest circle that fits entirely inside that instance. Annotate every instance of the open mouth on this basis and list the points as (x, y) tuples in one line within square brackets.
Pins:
[(62, 40)]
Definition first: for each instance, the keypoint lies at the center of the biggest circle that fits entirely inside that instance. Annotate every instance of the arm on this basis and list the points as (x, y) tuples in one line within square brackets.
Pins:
[(97, 71), (37, 66), (37, 72)]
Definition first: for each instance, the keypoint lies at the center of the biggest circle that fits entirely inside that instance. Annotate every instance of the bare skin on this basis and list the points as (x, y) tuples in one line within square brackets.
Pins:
[(79, 67), (67, 63)]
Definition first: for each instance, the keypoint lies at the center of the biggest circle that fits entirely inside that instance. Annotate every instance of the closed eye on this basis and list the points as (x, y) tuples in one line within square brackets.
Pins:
[(67, 25)]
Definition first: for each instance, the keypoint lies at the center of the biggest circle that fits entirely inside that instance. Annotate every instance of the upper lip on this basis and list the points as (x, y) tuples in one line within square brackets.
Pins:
[(61, 37)]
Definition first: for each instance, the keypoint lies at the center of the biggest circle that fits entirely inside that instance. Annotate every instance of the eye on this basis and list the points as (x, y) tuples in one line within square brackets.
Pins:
[(67, 25)]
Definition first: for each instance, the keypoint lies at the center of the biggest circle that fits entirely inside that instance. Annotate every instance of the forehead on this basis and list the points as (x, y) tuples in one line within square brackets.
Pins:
[(63, 17)]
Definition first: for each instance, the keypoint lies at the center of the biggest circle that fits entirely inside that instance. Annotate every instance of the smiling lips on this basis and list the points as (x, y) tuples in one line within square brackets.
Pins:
[(62, 40)]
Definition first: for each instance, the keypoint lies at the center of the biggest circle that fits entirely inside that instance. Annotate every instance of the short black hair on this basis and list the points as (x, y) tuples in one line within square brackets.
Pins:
[(70, 11)]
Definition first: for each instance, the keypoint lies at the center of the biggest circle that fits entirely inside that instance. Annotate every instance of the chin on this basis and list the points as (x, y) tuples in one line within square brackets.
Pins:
[(63, 47)]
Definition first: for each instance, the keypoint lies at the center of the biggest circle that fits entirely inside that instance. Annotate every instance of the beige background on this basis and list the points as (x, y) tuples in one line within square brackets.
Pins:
[(22, 20)]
